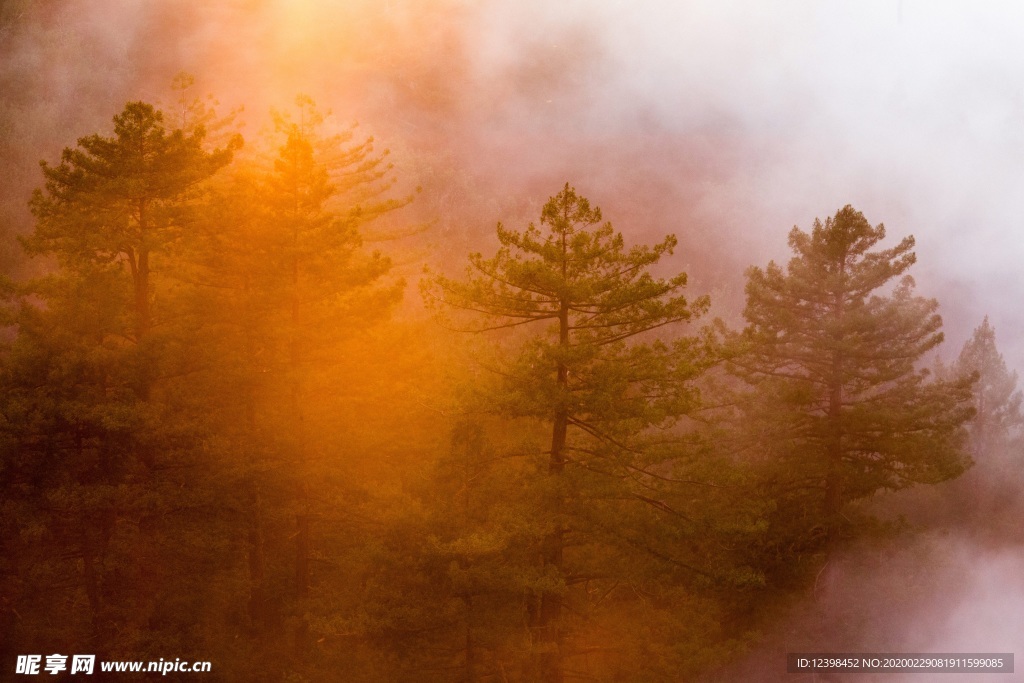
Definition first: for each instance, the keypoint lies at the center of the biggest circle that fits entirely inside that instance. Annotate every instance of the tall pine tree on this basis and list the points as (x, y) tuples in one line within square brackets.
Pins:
[(593, 375), (98, 457), (832, 345), (290, 296)]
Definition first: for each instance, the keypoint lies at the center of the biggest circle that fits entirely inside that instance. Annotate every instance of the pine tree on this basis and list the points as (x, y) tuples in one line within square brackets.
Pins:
[(117, 203), (839, 406), (997, 401), (994, 432), (593, 376), (290, 299), (104, 454)]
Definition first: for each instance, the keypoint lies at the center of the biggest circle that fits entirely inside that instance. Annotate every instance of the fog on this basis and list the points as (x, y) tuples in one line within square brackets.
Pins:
[(932, 593), (724, 122)]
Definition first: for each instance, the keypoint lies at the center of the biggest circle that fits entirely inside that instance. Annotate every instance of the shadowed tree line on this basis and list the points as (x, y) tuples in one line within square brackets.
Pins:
[(219, 441)]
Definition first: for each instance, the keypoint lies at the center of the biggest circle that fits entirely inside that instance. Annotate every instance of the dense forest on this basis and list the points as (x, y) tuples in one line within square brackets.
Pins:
[(497, 358), (230, 431)]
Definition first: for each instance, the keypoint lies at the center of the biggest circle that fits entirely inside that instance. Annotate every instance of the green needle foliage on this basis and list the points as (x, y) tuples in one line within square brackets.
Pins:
[(840, 408), (607, 393), (98, 460), (216, 443), (117, 202)]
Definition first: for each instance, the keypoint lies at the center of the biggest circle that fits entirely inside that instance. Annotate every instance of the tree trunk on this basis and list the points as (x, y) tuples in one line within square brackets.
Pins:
[(259, 614), (834, 476), (548, 628), (140, 275), (297, 409), (143, 318)]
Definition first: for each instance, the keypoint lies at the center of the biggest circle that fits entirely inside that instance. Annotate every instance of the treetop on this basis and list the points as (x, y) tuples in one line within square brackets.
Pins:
[(574, 270)]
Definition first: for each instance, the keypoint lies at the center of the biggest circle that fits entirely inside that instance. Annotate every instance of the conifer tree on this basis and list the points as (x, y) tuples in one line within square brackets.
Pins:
[(993, 433), (839, 405), (997, 401), (116, 203), (329, 287), (289, 297), (104, 453), (594, 377)]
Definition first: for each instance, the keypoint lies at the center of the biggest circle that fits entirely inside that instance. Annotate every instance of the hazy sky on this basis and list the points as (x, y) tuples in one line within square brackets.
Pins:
[(724, 122), (910, 111)]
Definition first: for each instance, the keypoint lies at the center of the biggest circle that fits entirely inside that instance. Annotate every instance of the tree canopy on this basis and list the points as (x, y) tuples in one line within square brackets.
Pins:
[(832, 347), (223, 434), (997, 401), (591, 373)]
